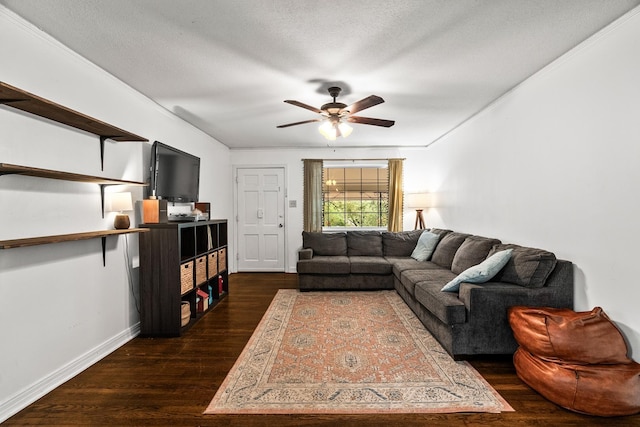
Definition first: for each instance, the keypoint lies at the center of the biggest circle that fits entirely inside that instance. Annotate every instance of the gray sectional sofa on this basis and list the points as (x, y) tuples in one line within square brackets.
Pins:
[(470, 321)]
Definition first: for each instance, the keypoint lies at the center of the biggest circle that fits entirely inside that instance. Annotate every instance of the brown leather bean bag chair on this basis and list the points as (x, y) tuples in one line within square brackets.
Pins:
[(604, 390), (567, 336), (577, 360)]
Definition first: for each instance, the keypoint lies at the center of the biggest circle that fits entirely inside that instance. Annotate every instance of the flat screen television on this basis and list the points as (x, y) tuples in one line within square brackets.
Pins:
[(175, 175)]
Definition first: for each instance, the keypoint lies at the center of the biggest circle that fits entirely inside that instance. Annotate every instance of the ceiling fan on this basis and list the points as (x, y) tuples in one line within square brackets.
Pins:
[(336, 115)]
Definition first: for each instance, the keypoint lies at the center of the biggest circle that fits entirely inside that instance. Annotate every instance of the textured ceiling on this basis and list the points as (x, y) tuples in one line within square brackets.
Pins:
[(226, 66)]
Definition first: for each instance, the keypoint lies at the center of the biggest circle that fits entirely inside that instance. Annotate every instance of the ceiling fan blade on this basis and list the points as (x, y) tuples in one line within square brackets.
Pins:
[(300, 104), (367, 102), (370, 121), (299, 123)]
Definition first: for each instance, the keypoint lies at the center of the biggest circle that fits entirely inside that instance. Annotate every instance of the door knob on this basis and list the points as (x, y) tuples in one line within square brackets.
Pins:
[(280, 225)]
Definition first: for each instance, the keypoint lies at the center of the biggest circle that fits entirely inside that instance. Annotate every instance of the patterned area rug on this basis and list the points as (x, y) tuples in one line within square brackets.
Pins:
[(348, 352)]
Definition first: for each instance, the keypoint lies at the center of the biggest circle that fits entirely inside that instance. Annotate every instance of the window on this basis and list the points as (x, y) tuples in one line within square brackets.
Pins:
[(355, 195)]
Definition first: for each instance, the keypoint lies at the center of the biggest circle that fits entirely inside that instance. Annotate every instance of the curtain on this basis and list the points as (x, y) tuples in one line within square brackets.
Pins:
[(395, 194), (312, 199)]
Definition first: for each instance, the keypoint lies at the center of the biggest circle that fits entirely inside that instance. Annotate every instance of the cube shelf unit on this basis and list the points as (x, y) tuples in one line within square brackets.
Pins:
[(178, 262)]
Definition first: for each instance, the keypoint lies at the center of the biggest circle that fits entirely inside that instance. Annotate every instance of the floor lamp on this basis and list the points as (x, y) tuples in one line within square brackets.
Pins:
[(418, 201)]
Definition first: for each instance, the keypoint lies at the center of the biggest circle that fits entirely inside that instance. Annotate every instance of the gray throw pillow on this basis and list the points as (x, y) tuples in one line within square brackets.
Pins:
[(425, 246), (440, 231), (480, 273)]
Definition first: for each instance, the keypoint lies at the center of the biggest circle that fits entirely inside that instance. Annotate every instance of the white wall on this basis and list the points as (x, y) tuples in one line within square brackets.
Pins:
[(291, 159), (60, 309), (554, 164)]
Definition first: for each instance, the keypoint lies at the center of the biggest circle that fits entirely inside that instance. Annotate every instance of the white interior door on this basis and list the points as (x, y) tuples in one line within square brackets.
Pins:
[(260, 219)]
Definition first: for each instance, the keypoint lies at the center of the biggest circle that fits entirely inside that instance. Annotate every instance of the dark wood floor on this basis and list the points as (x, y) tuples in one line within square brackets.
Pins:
[(170, 381)]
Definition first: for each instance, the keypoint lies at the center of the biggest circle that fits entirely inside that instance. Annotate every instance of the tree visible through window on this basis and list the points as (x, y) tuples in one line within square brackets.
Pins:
[(355, 197)]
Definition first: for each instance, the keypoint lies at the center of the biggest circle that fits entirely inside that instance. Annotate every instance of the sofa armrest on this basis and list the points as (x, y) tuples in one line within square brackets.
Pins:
[(487, 307), (557, 293), (500, 296), (305, 253)]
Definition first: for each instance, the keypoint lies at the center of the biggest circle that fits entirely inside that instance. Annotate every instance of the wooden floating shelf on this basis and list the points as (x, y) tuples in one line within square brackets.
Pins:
[(34, 241), (7, 169), (22, 100), (25, 101), (103, 234)]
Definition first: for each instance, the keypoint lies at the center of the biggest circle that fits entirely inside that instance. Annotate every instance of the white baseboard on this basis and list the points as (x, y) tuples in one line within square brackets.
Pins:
[(26, 397)]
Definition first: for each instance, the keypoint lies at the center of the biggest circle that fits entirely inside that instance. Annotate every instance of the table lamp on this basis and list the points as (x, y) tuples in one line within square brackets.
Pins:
[(121, 202)]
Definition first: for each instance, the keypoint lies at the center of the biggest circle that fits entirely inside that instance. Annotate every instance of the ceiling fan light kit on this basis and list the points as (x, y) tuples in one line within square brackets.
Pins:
[(332, 129), (336, 115)]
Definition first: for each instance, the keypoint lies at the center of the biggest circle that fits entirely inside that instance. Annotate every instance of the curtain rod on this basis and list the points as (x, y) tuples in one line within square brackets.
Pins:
[(358, 160)]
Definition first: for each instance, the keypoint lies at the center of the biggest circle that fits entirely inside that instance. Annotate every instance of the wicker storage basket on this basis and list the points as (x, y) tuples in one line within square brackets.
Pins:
[(186, 277), (201, 270), (213, 264), (185, 313), (222, 259)]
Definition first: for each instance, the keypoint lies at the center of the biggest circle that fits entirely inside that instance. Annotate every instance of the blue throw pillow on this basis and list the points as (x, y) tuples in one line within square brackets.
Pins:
[(480, 273), (426, 244)]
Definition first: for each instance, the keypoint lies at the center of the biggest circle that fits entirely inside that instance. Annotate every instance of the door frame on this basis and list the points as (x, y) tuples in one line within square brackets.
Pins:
[(235, 218)]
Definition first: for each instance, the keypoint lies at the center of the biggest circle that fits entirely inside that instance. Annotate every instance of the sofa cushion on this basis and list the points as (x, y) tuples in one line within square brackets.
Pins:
[(426, 244), (364, 243), (440, 231), (409, 278), (324, 265), (472, 252), (447, 247), (325, 243), (400, 243), (401, 264), (444, 305), (369, 265), (480, 273), (527, 267)]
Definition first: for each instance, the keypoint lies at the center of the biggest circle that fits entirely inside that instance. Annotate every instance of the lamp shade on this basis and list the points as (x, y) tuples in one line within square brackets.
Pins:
[(345, 129), (120, 202), (329, 129), (418, 200)]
